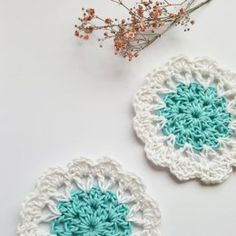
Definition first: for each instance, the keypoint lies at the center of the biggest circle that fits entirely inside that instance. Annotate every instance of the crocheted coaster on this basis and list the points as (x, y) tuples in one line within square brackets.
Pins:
[(185, 115), (89, 199)]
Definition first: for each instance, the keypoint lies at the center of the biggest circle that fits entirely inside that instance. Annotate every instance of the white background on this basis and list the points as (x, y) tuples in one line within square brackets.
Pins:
[(61, 99)]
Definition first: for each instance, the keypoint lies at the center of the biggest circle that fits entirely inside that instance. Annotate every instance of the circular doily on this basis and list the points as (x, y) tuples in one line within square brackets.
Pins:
[(185, 115), (89, 199)]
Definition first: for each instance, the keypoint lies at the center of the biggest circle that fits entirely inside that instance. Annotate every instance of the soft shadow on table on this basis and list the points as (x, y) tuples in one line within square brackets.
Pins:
[(101, 63), (175, 179)]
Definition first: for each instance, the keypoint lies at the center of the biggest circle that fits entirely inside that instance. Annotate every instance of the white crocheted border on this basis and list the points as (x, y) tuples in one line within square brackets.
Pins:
[(56, 185), (211, 166)]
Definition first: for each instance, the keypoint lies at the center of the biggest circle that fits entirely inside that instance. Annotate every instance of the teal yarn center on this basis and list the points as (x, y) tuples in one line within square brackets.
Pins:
[(196, 116), (93, 213)]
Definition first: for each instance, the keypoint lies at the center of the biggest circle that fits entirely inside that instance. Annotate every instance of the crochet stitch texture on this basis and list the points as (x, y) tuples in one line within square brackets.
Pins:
[(195, 115), (185, 114), (89, 199), (92, 213)]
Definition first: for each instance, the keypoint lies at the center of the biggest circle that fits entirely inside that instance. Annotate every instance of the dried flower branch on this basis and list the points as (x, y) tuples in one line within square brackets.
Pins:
[(148, 20)]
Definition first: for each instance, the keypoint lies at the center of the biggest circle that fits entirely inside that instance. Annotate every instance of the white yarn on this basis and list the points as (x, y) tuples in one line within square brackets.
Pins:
[(56, 184), (210, 166)]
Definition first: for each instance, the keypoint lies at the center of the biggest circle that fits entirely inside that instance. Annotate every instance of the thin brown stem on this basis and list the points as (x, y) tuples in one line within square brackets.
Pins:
[(198, 6), (147, 22), (173, 23)]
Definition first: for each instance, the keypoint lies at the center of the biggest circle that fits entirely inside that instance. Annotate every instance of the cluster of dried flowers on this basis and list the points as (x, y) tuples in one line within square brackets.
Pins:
[(147, 21)]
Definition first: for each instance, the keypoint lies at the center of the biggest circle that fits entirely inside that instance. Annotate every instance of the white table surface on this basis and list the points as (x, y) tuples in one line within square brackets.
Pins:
[(61, 99)]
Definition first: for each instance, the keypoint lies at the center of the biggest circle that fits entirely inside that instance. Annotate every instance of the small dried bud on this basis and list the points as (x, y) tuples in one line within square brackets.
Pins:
[(182, 11), (88, 30), (130, 34), (140, 11), (86, 37), (90, 11), (108, 21), (145, 2)]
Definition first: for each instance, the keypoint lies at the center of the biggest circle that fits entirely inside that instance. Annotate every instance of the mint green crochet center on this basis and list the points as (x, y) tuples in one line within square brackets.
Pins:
[(93, 213), (196, 116)]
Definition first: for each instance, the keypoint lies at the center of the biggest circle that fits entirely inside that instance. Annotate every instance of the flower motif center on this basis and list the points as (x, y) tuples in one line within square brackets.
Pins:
[(93, 213), (195, 115)]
